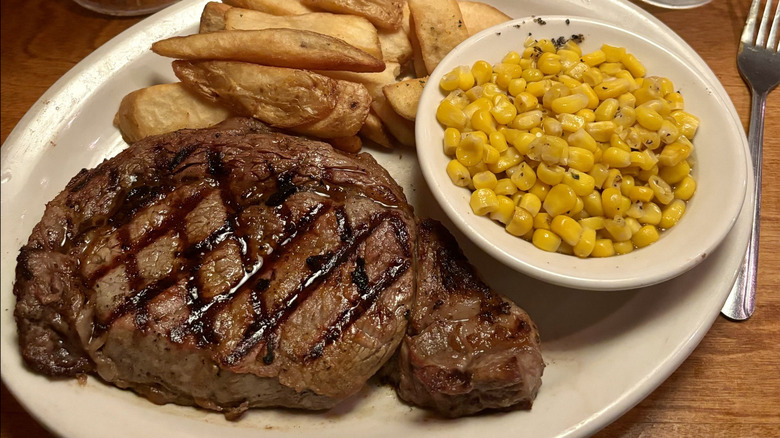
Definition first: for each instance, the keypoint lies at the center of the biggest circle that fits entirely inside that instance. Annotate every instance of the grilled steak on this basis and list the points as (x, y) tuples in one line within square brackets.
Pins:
[(467, 348), (229, 268)]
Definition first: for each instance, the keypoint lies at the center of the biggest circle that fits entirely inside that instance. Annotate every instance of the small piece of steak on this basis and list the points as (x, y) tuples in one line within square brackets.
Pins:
[(467, 348), (229, 268)]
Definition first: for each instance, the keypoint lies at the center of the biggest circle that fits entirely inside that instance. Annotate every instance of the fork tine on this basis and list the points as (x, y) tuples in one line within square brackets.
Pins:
[(749, 32), (762, 28), (773, 33)]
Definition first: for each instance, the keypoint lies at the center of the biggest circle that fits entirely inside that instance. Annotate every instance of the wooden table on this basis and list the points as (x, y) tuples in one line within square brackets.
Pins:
[(728, 387)]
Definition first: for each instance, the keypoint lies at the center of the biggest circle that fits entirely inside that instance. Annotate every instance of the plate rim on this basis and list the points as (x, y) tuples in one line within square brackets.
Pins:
[(630, 397)]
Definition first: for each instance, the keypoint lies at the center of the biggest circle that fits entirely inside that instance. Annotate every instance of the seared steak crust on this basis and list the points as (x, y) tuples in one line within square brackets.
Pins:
[(229, 267), (467, 348)]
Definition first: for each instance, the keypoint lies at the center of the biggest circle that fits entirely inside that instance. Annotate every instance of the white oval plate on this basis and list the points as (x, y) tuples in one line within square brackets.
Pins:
[(718, 152), (605, 350)]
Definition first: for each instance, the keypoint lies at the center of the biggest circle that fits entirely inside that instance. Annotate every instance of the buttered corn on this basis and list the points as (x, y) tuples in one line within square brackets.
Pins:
[(577, 152)]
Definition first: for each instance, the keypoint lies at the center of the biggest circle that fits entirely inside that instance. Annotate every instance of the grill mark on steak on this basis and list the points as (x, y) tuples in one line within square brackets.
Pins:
[(368, 295), (200, 316), (264, 326)]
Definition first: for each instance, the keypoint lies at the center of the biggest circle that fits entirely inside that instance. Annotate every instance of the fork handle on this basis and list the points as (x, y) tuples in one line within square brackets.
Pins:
[(741, 301)]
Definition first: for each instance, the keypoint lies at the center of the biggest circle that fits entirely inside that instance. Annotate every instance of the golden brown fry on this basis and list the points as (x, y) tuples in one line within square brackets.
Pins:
[(417, 58), (276, 7), (385, 14), (400, 128), (281, 97), (479, 16), (352, 105), (396, 46), (352, 29), (164, 108), (438, 25), (403, 96), (213, 17), (275, 47), (351, 144), (373, 130), (372, 81)]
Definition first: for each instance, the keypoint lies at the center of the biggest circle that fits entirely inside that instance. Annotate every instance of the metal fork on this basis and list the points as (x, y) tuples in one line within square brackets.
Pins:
[(758, 60)]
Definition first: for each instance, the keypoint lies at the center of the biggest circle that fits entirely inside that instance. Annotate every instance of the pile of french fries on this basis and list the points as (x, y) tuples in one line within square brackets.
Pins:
[(344, 71)]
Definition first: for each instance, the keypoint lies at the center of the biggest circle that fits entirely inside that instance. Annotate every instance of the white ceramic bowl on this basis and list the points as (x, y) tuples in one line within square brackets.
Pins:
[(720, 164)]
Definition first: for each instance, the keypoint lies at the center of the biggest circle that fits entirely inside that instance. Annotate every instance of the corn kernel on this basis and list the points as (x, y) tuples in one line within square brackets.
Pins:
[(612, 53), (616, 157), (623, 247), (687, 122), (585, 245), (506, 160), (532, 75), (485, 180), (531, 203), (505, 210), (673, 154), (645, 236), (676, 173), (601, 131), (483, 201), (549, 63), (567, 228), (451, 116), (546, 240), (538, 88), (633, 65), (560, 200), (684, 189), (458, 173), (521, 223), (570, 104), (603, 248), (503, 112), (599, 172), (524, 176), (470, 150), (527, 120), (581, 159), (672, 213), (550, 174), (612, 87), (542, 221), (618, 228), (661, 189), (505, 186)]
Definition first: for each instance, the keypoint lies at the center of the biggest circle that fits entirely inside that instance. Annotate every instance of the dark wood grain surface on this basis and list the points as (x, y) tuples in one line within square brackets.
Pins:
[(728, 387)]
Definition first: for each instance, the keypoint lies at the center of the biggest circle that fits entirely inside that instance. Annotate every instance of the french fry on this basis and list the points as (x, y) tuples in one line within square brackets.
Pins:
[(418, 63), (164, 108), (276, 7), (385, 14), (400, 128), (372, 81), (351, 144), (352, 105), (354, 30), (374, 131), (479, 16), (281, 97), (438, 25), (403, 96), (275, 47), (396, 46), (213, 17)]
